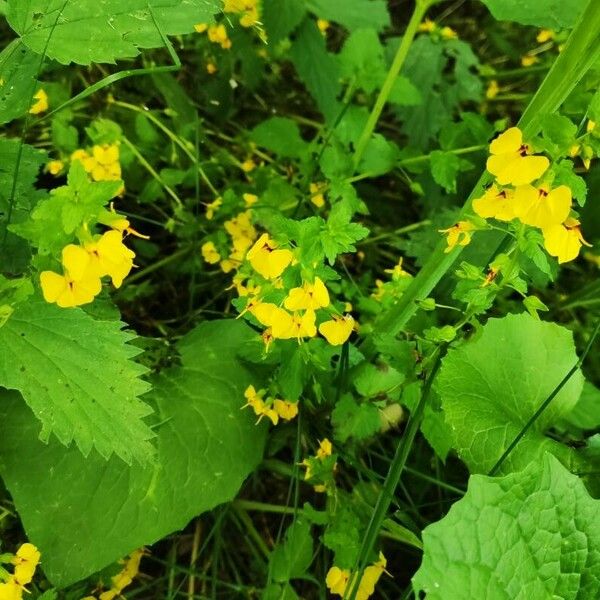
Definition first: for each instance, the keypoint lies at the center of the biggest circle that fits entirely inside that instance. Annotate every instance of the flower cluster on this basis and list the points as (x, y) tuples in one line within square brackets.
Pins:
[(272, 408), (431, 27), (101, 162), (531, 201), (123, 578), (25, 563), (83, 267), (247, 9), (217, 34), (340, 580)]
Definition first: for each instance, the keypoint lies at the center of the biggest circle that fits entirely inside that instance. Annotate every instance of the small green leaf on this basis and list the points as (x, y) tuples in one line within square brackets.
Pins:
[(291, 558), (339, 234), (444, 168), (553, 14), (361, 59), (352, 14), (491, 386), (281, 136), (353, 420), (530, 534), (281, 17)]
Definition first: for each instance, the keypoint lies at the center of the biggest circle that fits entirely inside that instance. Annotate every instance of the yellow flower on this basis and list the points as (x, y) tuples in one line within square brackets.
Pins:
[(510, 161), (285, 409), (492, 89), (250, 199), (250, 18), (258, 405), (55, 167), (565, 240), (325, 449), (218, 35), (337, 330), (323, 25), (591, 125), (210, 253), (240, 227), (41, 105), (527, 60), (448, 33), (11, 590), (397, 272), (541, 207), (248, 165), (458, 235), (309, 296), (211, 68), (337, 580), (427, 26), (267, 260), (370, 577), (26, 562), (121, 224), (200, 27), (544, 35), (78, 285), (212, 208), (285, 326), (104, 164), (316, 195), (109, 256), (495, 204)]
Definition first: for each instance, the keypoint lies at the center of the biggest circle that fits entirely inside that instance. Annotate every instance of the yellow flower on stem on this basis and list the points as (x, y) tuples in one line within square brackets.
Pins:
[(495, 204), (323, 25), (427, 26), (286, 327), (250, 199), (511, 161), (544, 35), (266, 259), (78, 285), (309, 296), (11, 590), (26, 562), (41, 103), (448, 33), (325, 449), (565, 240), (259, 406), (458, 235), (337, 330), (397, 272), (104, 164), (316, 194), (218, 35), (285, 409), (55, 167), (212, 208), (109, 256), (542, 207), (210, 253), (337, 580), (248, 165), (492, 89), (528, 60)]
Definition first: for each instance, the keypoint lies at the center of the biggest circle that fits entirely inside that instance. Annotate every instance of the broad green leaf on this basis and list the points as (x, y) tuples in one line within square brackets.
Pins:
[(291, 558), (77, 376), (554, 14), (531, 534), (19, 68), (355, 420), (317, 68), (103, 31), (206, 446), (281, 136), (281, 17), (361, 59), (444, 168), (352, 14), (491, 386)]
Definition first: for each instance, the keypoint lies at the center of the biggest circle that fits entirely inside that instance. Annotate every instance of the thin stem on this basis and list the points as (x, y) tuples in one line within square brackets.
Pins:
[(421, 7), (544, 405)]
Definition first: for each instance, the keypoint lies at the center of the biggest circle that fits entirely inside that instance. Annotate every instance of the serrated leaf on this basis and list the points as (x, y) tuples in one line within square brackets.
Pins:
[(531, 534), (491, 386), (361, 59), (206, 446), (77, 376), (281, 17), (444, 169), (291, 558), (353, 420), (553, 14), (352, 14), (339, 234), (19, 68), (103, 31)]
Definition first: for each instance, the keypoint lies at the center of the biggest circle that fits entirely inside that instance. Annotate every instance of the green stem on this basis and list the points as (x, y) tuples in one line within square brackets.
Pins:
[(393, 476), (421, 7), (425, 157), (544, 405), (580, 53)]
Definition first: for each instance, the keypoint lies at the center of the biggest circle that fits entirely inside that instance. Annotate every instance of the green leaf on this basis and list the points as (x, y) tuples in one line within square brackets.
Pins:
[(531, 534), (361, 59), (553, 14), (77, 376), (491, 386), (372, 380), (281, 136), (292, 558), (18, 76), (339, 234), (353, 420), (380, 156), (586, 413), (352, 14), (281, 17), (89, 31), (206, 446), (343, 534), (444, 168), (564, 174), (317, 68)]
